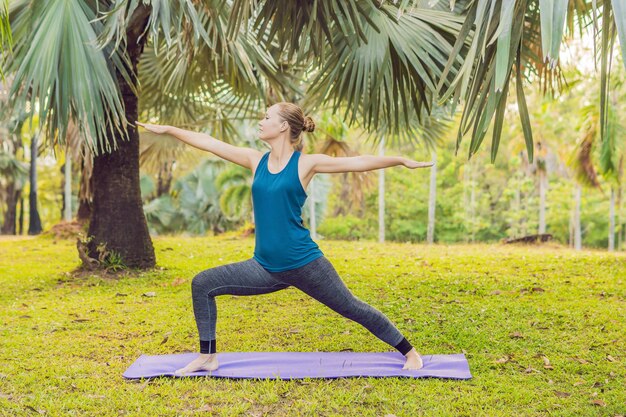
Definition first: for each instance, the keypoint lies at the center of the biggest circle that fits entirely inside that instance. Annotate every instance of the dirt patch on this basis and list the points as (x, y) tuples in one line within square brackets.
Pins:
[(82, 273), (67, 230)]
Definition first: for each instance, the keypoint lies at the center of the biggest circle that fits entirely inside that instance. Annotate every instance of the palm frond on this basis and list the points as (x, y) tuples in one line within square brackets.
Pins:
[(607, 39), (553, 14), (390, 79), (228, 80), (235, 202), (156, 149), (290, 23), (56, 66), (484, 81), (179, 22), (354, 184), (11, 167), (619, 13), (427, 131), (581, 162), (541, 35), (6, 40), (608, 147), (234, 175), (82, 157), (199, 94)]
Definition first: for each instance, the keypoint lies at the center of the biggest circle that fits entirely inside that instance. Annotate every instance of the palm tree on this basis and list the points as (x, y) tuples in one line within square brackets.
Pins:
[(514, 38), (199, 198), (612, 158), (235, 185), (34, 221), (13, 170), (375, 60), (77, 152), (15, 174), (608, 163), (191, 206), (353, 184), (196, 55), (5, 31)]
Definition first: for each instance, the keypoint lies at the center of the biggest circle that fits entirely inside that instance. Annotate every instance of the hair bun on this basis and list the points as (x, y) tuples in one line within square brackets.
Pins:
[(309, 124)]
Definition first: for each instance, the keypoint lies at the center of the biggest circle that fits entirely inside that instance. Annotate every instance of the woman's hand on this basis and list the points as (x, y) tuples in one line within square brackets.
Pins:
[(159, 129), (414, 164)]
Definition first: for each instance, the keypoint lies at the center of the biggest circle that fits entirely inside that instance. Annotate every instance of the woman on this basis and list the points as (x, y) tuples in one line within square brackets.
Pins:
[(284, 254)]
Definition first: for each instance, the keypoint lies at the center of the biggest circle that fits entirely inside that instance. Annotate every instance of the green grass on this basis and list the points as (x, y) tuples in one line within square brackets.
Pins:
[(66, 340)]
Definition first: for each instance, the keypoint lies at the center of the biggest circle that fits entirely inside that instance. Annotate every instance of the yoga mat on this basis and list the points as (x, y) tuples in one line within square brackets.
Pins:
[(300, 365)]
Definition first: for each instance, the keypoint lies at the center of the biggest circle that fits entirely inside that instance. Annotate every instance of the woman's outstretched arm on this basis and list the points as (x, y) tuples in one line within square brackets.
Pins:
[(237, 154), (329, 164)]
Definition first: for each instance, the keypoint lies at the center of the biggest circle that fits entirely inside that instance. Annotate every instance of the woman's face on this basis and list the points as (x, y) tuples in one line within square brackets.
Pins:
[(270, 125)]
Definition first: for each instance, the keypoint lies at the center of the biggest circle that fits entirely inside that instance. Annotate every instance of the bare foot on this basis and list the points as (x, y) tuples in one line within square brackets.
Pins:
[(413, 360), (204, 362)]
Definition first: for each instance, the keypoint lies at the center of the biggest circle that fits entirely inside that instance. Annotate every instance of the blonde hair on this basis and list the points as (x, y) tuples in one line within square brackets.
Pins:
[(298, 123)]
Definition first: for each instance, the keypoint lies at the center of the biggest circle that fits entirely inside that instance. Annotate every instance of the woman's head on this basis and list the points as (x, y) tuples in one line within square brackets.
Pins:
[(287, 118)]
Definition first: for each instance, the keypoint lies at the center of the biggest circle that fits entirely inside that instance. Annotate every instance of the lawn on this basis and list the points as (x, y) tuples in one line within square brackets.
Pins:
[(543, 329)]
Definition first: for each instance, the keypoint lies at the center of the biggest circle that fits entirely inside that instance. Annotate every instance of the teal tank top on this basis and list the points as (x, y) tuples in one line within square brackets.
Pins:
[(282, 242)]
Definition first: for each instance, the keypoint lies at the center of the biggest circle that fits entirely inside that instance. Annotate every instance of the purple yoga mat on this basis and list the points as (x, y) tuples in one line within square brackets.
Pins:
[(300, 365)]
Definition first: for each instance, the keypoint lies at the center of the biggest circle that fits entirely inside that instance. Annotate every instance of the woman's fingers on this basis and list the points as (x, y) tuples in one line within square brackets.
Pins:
[(151, 127), (415, 164)]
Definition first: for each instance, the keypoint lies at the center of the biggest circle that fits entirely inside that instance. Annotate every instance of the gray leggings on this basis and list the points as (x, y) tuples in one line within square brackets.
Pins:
[(317, 279)]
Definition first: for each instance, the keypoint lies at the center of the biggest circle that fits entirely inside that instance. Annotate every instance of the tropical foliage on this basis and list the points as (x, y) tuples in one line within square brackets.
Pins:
[(193, 206), (5, 31), (482, 201), (384, 66), (518, 39)]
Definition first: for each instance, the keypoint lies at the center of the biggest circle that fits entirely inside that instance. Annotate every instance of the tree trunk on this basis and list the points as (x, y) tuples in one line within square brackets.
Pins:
[(621, 228), (577, 231), (543, 186), (34, 221), (518, 207), (84, 211), (612, 221), (85, 205), (13, 188), (10, 215), (67, 188), (432, 201), (62, 190), (21, 217), (118, 218), (571, 228), (164, 178)]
